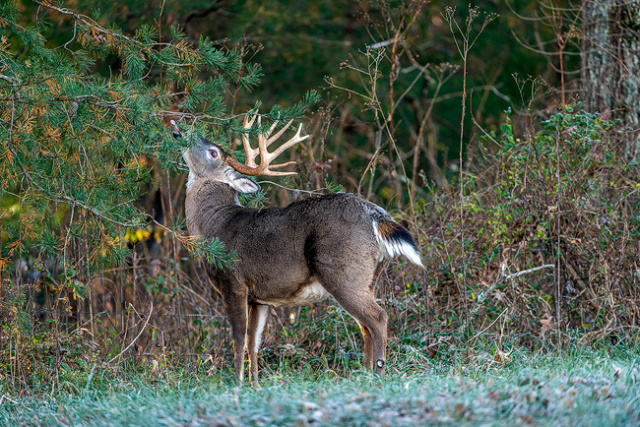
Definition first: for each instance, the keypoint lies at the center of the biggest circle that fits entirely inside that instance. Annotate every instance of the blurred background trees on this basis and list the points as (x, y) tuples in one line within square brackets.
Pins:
[(323, 46)]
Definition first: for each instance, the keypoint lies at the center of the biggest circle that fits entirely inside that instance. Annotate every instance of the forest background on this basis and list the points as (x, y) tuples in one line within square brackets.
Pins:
[(503, 134)]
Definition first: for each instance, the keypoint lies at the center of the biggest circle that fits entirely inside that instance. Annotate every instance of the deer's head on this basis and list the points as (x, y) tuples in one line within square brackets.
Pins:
[(207, 160)]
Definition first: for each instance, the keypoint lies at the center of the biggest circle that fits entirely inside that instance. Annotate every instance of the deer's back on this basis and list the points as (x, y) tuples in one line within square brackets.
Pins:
[(281, 251)]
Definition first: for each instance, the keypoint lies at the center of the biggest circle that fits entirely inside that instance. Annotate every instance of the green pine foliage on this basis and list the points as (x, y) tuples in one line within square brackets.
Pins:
[(82, 141)]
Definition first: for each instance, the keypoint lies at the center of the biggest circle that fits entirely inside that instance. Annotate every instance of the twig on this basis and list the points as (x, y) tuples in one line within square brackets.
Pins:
[(136, 338), (315, 192), (530, 270), (490, 325), (4, 396), (558, 201)]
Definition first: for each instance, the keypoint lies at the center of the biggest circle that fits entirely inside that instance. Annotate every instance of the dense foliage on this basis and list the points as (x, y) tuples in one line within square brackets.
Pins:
[(81, 147)]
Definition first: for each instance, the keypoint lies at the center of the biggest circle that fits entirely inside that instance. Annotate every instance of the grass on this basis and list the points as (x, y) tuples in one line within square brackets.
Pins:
[(584, 388)]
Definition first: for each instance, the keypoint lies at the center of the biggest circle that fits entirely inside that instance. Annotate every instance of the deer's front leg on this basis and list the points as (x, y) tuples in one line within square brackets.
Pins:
[(236, 305), (258, 316)]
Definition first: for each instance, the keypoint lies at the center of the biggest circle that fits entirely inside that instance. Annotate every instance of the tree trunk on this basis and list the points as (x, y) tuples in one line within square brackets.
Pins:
[(611, 62)]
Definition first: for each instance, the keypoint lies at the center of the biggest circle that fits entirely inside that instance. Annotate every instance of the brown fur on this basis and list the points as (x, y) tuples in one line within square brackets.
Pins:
[(388, 228), (281, 251)]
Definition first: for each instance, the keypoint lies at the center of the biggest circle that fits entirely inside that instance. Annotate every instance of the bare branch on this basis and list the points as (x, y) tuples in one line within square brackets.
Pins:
[(530, 270)]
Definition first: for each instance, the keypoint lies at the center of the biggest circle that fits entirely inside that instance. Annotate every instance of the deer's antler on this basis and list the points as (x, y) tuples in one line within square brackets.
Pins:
[(264, 141)]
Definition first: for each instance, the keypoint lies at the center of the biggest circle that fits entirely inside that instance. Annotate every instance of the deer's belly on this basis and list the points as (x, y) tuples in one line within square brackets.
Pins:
[(309, 294)]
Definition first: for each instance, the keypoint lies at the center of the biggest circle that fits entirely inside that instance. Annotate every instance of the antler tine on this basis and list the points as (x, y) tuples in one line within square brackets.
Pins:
[(264, 138), (264, 141), (279, 134), (270, 172), (290, 143), (250, 153), (248, 120), (267, 135)]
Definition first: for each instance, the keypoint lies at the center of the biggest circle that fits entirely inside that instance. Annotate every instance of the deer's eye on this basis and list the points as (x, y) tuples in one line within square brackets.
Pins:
[(213, 153)]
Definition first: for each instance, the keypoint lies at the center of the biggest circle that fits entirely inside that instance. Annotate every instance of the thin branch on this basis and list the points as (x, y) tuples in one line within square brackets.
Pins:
[(530, 270), (139, 334)]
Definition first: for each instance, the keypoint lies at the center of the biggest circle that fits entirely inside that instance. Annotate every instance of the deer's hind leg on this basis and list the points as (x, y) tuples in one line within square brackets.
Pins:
[(366, 334), (353, 289), (368, 346), (258, 316)]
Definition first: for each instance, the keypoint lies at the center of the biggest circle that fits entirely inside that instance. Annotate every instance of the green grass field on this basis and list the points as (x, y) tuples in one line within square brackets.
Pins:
[(585, 389)]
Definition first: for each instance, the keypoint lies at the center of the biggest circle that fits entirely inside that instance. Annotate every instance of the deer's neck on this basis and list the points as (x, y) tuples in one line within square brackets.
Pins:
[(207, 205)]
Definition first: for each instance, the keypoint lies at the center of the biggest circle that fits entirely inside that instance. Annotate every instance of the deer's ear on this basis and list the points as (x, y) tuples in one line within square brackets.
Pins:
[(243, 184)]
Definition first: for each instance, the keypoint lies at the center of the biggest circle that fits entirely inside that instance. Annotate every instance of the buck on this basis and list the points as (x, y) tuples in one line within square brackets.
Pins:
[(298, 255)]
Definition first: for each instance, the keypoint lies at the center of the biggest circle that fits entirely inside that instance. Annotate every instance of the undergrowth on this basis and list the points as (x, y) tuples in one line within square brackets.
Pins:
[(551, 235)]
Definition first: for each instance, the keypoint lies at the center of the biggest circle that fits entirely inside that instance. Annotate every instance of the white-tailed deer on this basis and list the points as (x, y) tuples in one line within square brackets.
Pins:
[(298, 255)]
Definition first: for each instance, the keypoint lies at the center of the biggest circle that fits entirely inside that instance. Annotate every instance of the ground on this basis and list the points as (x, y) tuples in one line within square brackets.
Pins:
[(586, 388)]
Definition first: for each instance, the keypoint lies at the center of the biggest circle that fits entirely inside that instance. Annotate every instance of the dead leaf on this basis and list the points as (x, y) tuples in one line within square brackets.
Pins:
[(617, 371), (546, 323), (499, 295), (502, 357), (432, 351)]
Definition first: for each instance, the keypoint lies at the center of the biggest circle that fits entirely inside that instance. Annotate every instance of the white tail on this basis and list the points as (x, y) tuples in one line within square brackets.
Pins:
[(400, 243)]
